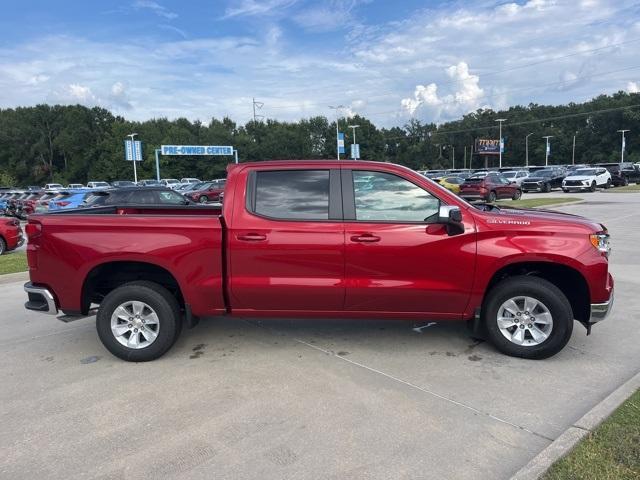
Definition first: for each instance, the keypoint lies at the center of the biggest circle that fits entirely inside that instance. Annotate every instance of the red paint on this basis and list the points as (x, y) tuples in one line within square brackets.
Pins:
[(312, 269), (10, 232)]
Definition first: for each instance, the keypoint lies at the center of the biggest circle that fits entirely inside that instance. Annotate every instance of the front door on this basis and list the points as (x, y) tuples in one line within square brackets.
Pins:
[(286, 242), (397, 258)]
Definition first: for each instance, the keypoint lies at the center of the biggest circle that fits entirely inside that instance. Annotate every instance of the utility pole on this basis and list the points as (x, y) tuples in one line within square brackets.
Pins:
[(337, 109), (500, 120), (622, 147), (453, 156), (526, 150), (133, 152), (259, 105), (573, 151), (353, 127), (157, 164), (546, 152), (464, 162)]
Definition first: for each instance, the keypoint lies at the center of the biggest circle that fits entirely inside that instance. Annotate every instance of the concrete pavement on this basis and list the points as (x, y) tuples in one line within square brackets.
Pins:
[(306, 399)]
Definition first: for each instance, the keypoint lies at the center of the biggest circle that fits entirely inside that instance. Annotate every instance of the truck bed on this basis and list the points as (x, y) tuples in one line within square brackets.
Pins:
[(182, 244)]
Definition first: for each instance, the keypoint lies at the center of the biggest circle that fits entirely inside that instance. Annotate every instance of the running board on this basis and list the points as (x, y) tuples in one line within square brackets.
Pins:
[(73, 318)]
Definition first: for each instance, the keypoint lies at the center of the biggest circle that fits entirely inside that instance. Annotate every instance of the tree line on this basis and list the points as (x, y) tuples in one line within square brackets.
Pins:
[(76, 144)]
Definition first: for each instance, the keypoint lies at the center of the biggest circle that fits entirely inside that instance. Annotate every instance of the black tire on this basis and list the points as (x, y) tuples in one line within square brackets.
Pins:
[(565, 190), (203, 199), (492, 197), (625, 181), (546, 188), (517, 195), (608, 184), (163, 303), (543, 291), (3, 246), (593, 186)]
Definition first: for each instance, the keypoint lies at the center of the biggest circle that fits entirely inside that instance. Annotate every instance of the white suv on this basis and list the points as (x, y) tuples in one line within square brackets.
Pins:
[(516, 176), (587, 179)]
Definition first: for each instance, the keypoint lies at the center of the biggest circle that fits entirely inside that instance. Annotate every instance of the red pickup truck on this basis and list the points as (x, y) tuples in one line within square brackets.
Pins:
[(347, 239)]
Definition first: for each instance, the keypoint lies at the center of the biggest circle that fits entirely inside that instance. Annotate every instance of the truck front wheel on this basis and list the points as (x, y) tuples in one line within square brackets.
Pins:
[(527, 317), (138, 321)]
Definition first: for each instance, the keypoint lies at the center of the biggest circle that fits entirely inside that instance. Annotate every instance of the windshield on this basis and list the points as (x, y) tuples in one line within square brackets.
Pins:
[(510, 174), (542, 173), (584, 171)]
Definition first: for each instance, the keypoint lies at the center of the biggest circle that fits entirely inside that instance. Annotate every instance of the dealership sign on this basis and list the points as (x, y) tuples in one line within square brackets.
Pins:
[(197, 150), (489, 146)]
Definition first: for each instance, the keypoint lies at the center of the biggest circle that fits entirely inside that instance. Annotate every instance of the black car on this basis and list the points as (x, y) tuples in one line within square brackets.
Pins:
[(544, 180), (136, 196), (123, 183), (630, 173)]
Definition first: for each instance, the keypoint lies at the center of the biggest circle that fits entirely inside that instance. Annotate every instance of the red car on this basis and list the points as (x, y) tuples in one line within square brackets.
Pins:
[(207, 192), (318, 239), (10, 235), (489, 187)]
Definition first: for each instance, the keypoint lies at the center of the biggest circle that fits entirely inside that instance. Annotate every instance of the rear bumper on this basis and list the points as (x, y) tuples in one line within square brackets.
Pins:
[(40, 299)]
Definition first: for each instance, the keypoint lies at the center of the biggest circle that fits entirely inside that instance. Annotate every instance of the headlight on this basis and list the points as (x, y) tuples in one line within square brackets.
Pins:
[(601, 242)]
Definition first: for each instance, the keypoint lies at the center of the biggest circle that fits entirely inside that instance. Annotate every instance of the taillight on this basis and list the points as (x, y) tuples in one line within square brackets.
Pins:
[(33, 229)]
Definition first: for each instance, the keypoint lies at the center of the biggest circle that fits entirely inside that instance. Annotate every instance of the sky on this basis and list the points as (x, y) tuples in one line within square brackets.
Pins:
[(387, 60)]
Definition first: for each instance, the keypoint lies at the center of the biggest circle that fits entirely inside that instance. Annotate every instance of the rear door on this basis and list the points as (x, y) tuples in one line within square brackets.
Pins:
[(396, 260), (286, 242)]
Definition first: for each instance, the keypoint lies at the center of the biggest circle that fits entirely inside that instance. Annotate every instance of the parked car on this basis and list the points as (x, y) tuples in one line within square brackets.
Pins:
[(149, 183), (42, 205), (543, 180), (207, 192), (587, 179), (27, 205), (489, 186), (190, 180), (516, 176), (52, 186), (75, 186), (122, 183), (70, 199), (622, 177), (10, 235), (170, 182), (322, 239), (98, 185), (136, 196), (452, 183)]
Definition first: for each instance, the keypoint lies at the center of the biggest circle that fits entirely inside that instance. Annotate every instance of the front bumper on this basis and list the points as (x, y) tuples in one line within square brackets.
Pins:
[(40, 299), (531, 187), (600, 311)]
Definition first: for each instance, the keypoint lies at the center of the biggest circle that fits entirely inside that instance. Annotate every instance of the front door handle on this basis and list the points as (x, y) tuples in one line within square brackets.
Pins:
[(365, 238), (251, 237)]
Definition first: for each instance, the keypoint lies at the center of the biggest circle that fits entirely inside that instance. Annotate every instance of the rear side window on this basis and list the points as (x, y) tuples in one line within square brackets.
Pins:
[(292, 194)]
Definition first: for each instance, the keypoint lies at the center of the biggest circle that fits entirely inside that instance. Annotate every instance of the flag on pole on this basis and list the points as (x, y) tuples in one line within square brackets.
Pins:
[(341, 142)]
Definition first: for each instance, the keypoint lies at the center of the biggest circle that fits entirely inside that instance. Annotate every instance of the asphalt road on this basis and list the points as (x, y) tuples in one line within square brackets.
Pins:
[(306, 399)]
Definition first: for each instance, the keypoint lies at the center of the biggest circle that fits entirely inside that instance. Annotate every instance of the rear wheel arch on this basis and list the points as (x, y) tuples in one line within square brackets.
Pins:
[(106, 277), (569, 280)]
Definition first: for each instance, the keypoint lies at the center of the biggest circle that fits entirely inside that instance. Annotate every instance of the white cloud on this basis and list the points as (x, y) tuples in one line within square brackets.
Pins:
[(633, 87), (257, 7), (467, 98), (81, 93), (156, 8)]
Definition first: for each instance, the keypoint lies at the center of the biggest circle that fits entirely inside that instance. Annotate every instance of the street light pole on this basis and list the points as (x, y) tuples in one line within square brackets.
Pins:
[(133, 153), (500, 120), (573, 151), (546, 152), (337, 109), (526, 150), (353, 127), (622, 147)]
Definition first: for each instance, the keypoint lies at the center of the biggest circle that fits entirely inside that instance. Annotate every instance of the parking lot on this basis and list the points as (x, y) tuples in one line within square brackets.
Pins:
[(307, 399)]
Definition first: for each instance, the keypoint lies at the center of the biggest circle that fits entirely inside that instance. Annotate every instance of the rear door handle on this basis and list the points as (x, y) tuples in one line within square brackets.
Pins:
[(251, 237), (365, 238)]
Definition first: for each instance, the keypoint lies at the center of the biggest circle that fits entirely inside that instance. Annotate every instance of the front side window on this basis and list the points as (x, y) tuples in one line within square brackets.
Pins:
[(389, 198), (292, 194)]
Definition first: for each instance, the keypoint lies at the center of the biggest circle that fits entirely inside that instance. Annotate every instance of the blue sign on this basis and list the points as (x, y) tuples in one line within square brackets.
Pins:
[(196, 150), (340, 142), (133, 150), (488, 146), (355, 151)]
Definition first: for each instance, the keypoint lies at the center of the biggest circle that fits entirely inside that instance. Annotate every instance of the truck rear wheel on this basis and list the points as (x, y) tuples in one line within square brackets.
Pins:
[(527, 317), (138, 321)]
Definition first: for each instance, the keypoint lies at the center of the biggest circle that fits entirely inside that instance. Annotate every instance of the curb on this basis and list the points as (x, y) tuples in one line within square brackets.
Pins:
[(566, 442), (14, 277)]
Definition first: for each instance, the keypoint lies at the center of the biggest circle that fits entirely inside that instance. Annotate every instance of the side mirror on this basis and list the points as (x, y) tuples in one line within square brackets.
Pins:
[(449, 214)]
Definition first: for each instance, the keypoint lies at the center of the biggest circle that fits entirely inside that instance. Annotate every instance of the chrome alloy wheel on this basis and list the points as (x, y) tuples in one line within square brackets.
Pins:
[(525, 321), (135, 324)]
